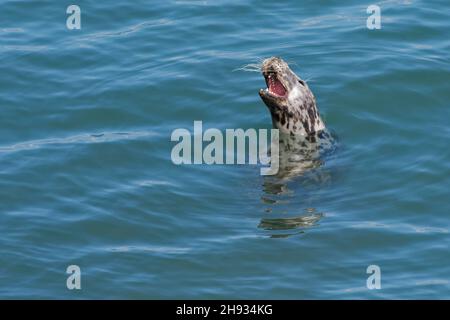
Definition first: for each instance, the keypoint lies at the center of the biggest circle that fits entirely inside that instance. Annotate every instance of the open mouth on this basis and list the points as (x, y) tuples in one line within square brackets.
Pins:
[(274, 86)]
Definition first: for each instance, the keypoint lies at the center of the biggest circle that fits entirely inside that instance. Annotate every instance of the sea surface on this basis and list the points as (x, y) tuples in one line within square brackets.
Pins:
[(86, 176)]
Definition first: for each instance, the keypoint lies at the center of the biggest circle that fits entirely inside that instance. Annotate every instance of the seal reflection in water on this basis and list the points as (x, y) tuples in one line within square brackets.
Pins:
[(304, 140)]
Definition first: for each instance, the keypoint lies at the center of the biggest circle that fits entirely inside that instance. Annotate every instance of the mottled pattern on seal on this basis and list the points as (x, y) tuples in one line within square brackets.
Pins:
[(290, 101), (303, 137)]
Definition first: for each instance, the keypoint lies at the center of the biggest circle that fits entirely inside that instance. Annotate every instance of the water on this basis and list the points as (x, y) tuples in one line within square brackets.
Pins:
[(86, 176)]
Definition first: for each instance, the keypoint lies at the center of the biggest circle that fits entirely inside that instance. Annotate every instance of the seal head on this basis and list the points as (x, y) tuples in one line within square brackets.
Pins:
[(290, 101)]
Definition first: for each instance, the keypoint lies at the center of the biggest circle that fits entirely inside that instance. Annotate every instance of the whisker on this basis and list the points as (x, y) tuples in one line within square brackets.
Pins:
[(251, 67), (260, 60), (309, 79), (291, 62)]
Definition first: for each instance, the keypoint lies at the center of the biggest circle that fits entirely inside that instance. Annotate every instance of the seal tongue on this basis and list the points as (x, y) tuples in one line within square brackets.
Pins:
[(276, 87)]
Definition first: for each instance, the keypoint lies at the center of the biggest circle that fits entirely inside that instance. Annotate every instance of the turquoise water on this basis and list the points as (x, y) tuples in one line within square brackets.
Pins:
[(86, 176)]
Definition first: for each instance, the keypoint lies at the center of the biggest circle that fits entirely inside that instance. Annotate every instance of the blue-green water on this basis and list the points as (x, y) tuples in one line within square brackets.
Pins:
[(86, 176)]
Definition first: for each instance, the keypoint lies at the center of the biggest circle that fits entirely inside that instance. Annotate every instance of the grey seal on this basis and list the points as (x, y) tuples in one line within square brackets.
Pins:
[(291, 103), (304, 139)]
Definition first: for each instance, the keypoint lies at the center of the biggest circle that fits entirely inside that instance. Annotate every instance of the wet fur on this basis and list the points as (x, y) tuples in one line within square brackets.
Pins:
[(303, 135), (296, 113)]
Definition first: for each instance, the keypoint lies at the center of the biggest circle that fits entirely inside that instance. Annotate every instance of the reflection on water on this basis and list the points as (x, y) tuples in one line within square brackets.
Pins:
[(291, 223), (298, 223), (301, 169)]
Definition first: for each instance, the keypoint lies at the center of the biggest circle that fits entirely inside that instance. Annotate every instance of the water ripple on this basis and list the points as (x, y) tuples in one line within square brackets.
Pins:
[(77, 139)]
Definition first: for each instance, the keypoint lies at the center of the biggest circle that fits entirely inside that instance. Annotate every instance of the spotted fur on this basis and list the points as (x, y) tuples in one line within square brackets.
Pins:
[(296, 112), (303, 136)]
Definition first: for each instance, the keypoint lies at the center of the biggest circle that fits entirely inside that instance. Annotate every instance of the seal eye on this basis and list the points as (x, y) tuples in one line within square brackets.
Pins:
[(301, 82)]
